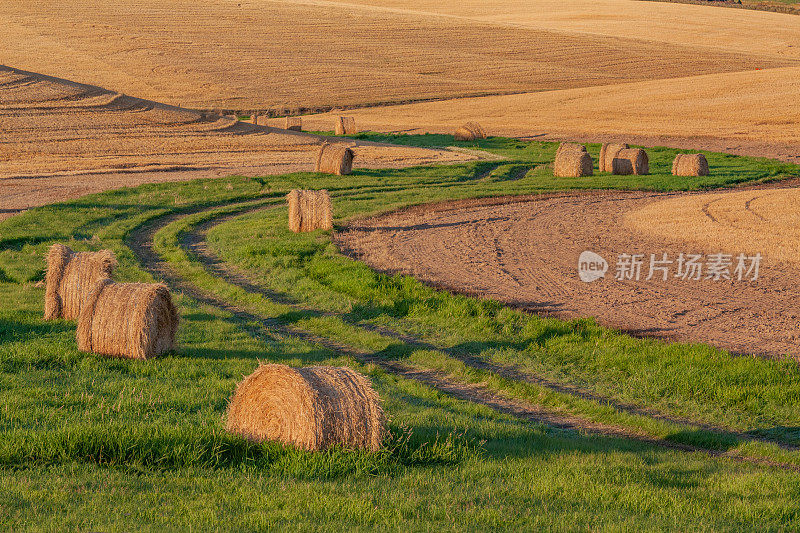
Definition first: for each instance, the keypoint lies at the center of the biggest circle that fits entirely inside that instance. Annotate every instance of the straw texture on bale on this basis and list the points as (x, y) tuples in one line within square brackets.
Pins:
[(631, 161), (563, 147), (469, 132), (690, 165), (573, 163), (335, 159), (131, 320), (70, 276), (346, 126), (309, 210), (607, 154), (294, 123), (312, 408)]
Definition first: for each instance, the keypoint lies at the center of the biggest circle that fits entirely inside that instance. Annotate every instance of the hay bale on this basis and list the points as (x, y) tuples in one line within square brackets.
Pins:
[(294, 123), (607, 154), (690, 165), (70, 276), (631, 161), (335, 159), (569, 146), (312, 408), (469, 132), (309, 210), (346, 126), (131, 320), (573, 163)]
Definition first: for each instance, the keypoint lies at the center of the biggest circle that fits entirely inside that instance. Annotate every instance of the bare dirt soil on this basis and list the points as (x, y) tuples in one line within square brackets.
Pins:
[(62, 140), (525, 253)]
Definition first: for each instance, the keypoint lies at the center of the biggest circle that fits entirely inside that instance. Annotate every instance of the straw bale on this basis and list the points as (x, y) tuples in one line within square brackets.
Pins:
[(312, 408)]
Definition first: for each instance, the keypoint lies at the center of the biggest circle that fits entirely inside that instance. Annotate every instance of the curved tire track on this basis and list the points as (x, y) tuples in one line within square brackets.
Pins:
[(141, 243)]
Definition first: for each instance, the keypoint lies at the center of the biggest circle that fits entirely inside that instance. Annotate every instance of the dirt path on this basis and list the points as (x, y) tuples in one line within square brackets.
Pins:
[(525, 253), (141, 242)]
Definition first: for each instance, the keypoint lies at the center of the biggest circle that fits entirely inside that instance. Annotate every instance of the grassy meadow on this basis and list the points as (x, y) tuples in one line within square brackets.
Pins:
[(92, 443)]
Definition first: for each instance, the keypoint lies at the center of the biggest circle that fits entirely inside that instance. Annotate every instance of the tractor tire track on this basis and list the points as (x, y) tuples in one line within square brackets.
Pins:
[(140, 242)]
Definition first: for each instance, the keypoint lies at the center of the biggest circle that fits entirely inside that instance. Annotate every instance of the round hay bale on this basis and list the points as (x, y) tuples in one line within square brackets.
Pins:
[(469, 132), (294, 123), (607, 154), (69, 278), (631, 161), (569, 146), (312, 408), (335, 159), (346, 126), (309, 210), (690, 165), (131, 320), (573, 163)]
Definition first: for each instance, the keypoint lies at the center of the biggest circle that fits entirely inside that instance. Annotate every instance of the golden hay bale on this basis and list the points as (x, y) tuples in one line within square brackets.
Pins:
[(335, 159), (573, 163), (312, 408), (690, 165), (294, 123), (309, 210), (131, 320), (631, 161), (569, 146), (346, 126), (469, 132), (70, 276), (607, 154)]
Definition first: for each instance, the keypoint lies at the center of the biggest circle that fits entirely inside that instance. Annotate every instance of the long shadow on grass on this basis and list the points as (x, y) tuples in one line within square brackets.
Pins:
[(12, 330), (160, 448)]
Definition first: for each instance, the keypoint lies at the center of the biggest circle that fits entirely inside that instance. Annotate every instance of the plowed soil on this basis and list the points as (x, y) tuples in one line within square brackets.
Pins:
[(526, 253)]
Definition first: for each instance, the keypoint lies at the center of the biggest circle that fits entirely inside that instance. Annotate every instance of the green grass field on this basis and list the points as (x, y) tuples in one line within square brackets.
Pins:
[(96, 444)]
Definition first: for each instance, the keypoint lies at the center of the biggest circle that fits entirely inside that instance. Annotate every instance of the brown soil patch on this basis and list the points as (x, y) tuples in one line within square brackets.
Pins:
[(525, 253)]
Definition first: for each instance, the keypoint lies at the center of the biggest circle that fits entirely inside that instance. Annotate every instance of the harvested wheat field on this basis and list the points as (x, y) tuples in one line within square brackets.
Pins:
[(214, 54), (63, 139), (525, 253), (754, 221), (748, 113)]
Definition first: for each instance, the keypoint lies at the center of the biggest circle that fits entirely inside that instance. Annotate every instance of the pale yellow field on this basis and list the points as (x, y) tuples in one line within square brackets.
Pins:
[(701, 27), (764, 221), (720, 111), (244, 54)]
